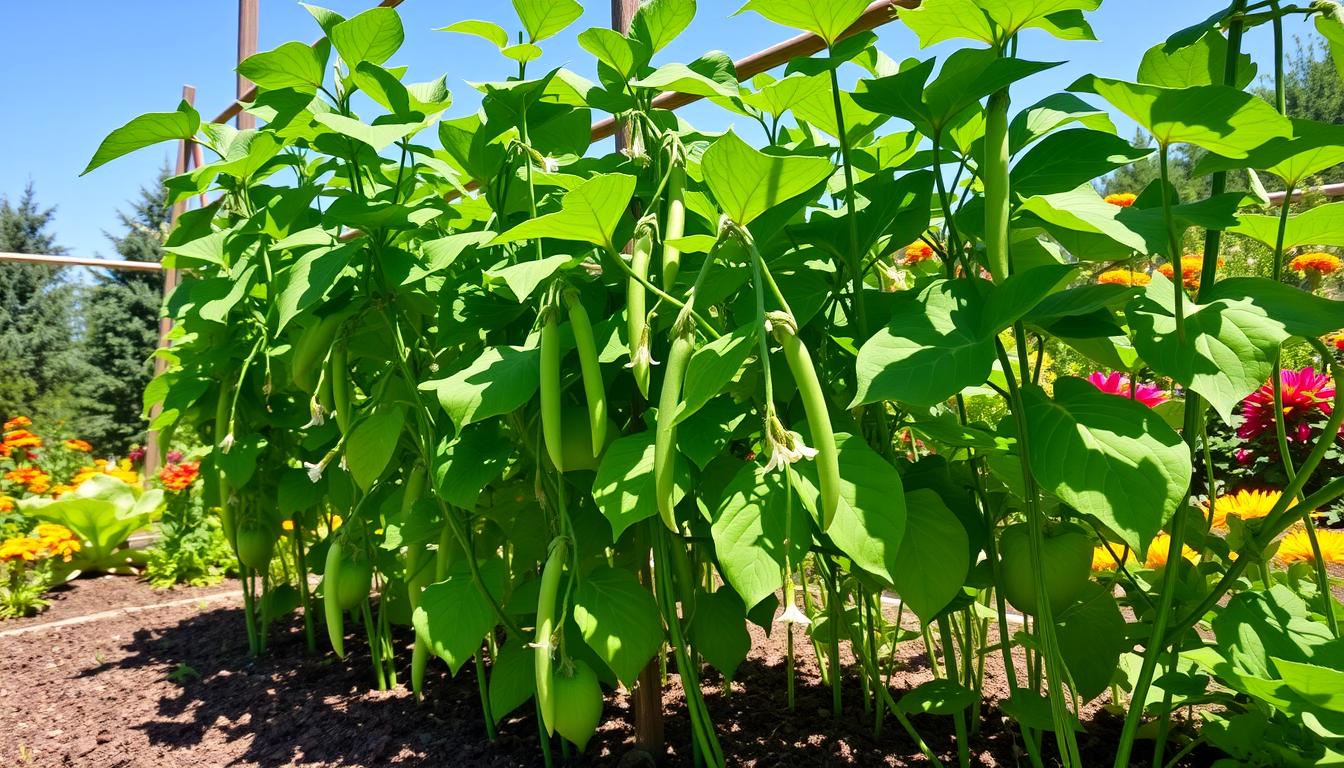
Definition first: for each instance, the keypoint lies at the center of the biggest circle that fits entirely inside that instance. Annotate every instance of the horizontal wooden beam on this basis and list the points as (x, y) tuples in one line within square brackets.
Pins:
[(1329, 190), (75, 261)]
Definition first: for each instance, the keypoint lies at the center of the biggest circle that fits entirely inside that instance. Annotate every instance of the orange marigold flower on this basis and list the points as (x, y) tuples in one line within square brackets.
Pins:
[(17, 422), (79, 446), (1296, 547), (917, 252), (1191, 267), (1245, 504), (1126, 277), (22, 438), (1122, 199), (25, 548), (6, 504), (1317, 262), (178, 477), (1157, 551), (1335, 340)]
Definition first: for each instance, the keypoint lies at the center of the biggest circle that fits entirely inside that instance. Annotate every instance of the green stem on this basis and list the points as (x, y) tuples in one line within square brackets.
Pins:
[(854, 262)]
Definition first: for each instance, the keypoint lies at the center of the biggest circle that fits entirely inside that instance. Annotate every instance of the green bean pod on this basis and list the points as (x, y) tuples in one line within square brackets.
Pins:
[(311, 349), (674, 225), (543, 663), (594, 391), (665, 436), (995, 178), (226, 517), (418, 572), (818, 418), (636, 310), (331, 601), (550, 388), (341, 392)]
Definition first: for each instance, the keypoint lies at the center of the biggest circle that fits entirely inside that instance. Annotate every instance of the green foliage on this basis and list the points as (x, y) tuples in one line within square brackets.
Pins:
[(102, 512)]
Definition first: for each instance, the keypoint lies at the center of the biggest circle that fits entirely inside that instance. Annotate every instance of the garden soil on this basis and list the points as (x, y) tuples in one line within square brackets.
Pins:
[(173, 687)]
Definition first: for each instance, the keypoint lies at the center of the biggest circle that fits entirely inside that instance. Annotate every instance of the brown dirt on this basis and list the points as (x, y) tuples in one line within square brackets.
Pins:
[(99, 695)]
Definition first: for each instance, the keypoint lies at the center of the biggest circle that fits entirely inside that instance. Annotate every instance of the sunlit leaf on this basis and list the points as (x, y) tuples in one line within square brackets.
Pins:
[(747, 182), (589, 213), (144, 131)]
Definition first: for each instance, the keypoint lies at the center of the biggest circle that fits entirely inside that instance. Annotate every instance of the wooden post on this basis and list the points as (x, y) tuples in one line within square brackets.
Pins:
[(247, 45), (154, 451)]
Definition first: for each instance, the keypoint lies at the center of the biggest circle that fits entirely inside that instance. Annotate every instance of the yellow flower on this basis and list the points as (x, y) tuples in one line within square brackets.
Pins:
[(1125, 277), (1103, 561), (1245, 504), (1157, 551), (336, 522), (6, 504), (1296, 547), (1122, 199), (916, 252), (287, 525), (17, 422), (25, 548), (78, 446), (1318, 262)]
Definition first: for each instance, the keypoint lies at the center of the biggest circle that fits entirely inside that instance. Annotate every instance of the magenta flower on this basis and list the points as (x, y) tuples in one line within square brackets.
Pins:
[(1307, 396), (1119, 384)]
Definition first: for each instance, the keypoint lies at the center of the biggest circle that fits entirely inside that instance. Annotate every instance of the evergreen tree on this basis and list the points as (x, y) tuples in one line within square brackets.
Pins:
[(1313, 90), (40, 364), (121, 312)]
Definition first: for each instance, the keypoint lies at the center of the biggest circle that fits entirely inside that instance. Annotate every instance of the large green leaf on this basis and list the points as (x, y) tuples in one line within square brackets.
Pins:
[(1302, 313), (931, 349), (939, 696), (1229, 346), (755, 527), (680, 78), (934, 556), (500, 380), (1332, 29), (1052, 112), (827, 20), (309, 279), (1218, 118), (475, 458), (1312, 148), (615, 50), (372, 443), (486, 30), (380, 135), (144, 131), (1322, 225), (1106, 456), (659, 22), (1020, 293), (712, 367), (869, 522), (1091, 635), (453, 615), (589, 212), (719, 630), (623, 490), (747, 182), (1063, 161), (1082, 210), (938, 20), (102, 512), (418, 100), (1320, 687), (513, 678), (544, 18), (1202, 62), (372, 36), (292, 65), (1013, 16), (619, 620)]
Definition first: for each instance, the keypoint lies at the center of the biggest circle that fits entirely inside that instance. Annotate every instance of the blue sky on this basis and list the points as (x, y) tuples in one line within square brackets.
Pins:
[(76, 70)]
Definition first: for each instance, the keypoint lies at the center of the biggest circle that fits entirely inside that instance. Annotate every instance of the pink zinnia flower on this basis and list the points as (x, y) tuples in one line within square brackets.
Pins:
[(1307, 395), (1119, 384)]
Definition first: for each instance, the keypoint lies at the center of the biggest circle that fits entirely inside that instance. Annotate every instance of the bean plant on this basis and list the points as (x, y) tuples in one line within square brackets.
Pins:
[(581, 417)]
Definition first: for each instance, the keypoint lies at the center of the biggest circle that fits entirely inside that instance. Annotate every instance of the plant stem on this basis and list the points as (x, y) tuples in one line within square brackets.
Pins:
[(854, 264)]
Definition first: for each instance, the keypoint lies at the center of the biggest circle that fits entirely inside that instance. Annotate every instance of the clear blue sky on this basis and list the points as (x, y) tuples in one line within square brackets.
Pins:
[(75, 70)]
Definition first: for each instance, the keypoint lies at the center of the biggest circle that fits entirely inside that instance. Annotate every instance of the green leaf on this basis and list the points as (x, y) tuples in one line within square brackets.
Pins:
[(659, 22), (1083, 210), (869, 522), (474, 459), (939, 696), (1053, 112), (624, 485), (1065, 160), (680, 78), (1322, 225), (1020, 293), (102, 512), (325, 17), (544, 18), (931, 349), (524, 277), (619, 620), (1312, 148), (453, 615), (938, 20), (1228, 350), (372, 36), (1107, 456), (712, 367), (1202, 62), (615, 50), (1302, 313), (827, 20), (589, 213), (486, 30), (718, 630), (934, 557), (500, 380), (1321, 687), (380, 136), (308, 280), (1013, 16), (746, 182), (427, 99), (145, 131), (292, 65), (1218, 118), (780, 96), (372, 443), (1332, 29), (1091, 636), (513, 678), (754, 529)]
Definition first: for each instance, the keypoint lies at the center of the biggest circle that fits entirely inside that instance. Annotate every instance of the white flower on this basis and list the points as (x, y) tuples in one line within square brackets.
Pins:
[(786, 447), (793, 615), (226, 444), (550, 164), (318, 418), (642, 354), (315, 470), (343, 465)]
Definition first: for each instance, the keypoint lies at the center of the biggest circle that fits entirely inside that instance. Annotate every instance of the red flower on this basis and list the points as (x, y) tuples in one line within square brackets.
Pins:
[(1307, 395), (1119, 384), (178, 477)]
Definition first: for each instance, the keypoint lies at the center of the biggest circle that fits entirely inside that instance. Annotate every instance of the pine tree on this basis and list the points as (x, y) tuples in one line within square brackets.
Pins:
[(121, 312), (1313, 90), (40, 362)]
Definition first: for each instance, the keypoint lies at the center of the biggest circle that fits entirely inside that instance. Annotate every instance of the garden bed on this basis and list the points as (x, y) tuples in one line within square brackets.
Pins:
[(172, 686)]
